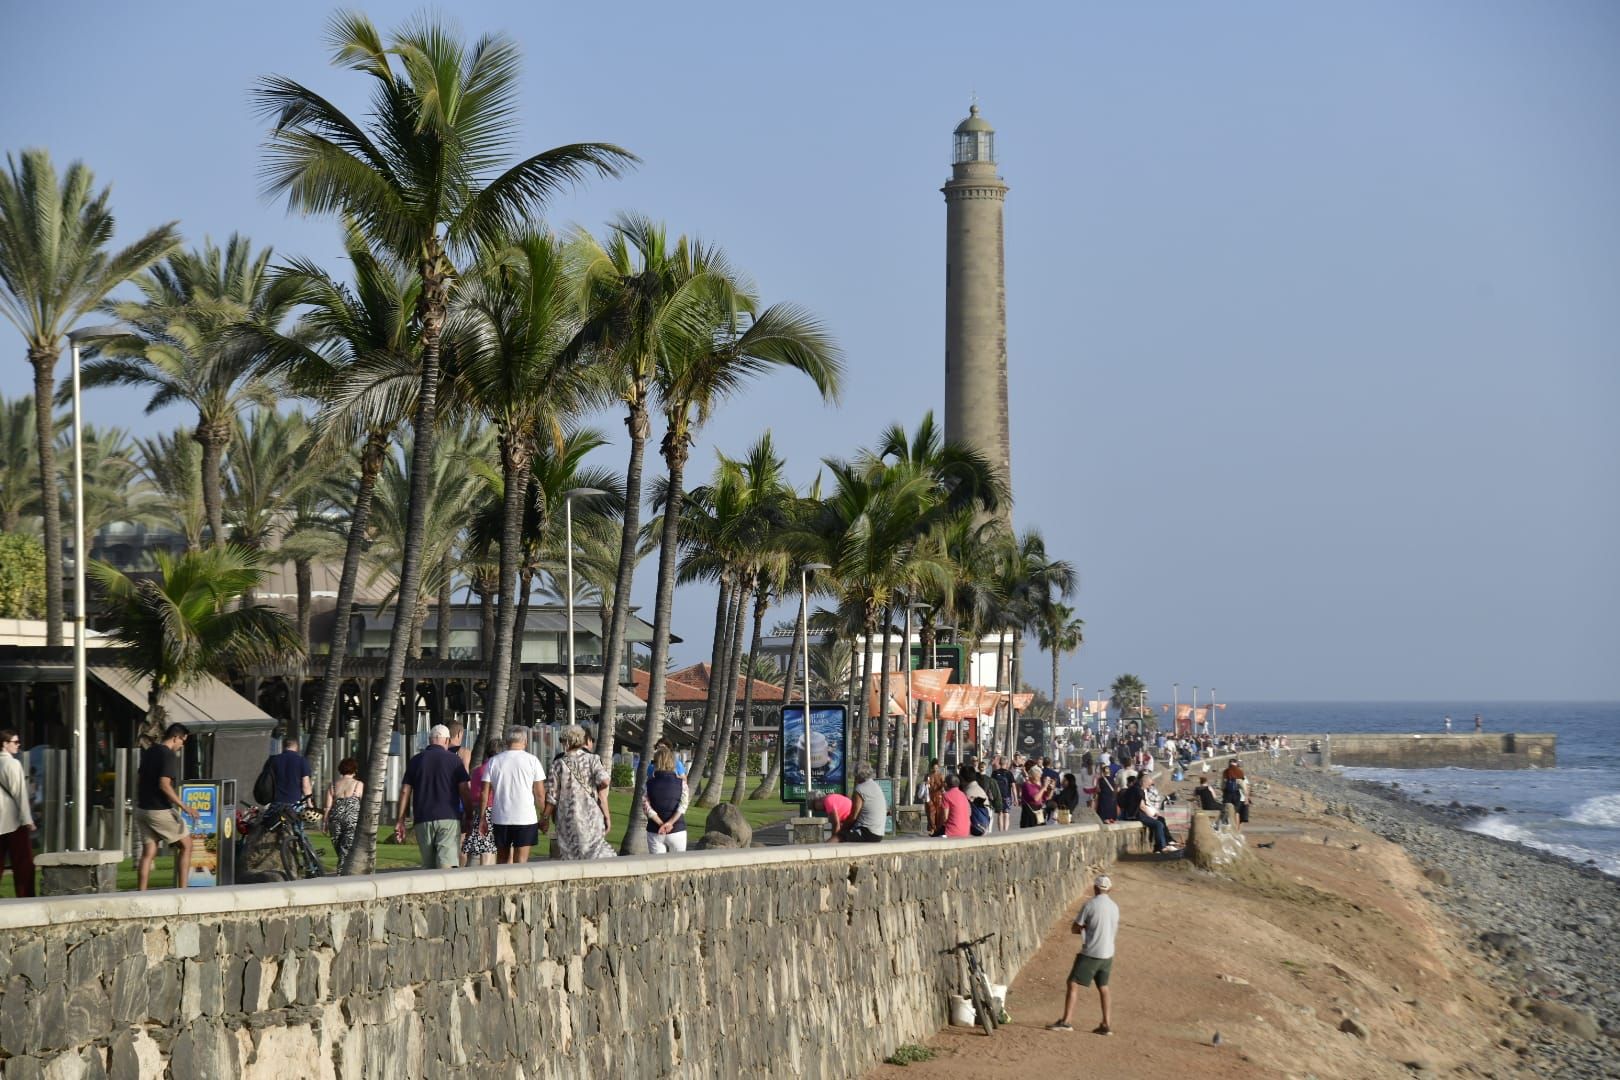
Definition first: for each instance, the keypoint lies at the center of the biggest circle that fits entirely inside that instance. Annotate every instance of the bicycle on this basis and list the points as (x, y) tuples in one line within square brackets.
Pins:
[(298, 856), (978, 984)]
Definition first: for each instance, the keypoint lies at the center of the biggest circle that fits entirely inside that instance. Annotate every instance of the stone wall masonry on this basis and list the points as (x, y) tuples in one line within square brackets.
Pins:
[(811, 961), (1465, 750)]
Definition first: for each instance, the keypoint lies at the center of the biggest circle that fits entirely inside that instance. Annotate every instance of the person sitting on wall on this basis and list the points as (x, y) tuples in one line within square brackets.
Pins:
[(868, 809), (836, 807), (958, 811)]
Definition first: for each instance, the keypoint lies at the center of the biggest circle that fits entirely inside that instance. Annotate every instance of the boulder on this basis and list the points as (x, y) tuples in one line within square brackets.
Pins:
[(726, 828), (1437, 875), (1351, 1026)]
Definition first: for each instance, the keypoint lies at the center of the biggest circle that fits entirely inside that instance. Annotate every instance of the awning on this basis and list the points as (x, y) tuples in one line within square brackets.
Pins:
[(205, 705), (588, 691)]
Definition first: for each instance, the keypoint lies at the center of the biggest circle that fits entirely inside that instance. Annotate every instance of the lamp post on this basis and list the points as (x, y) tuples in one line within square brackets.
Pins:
[(911, 704), (934, 728), (568, 542), (804, 628), (81, 735), (1211, 724), (1195, 703)]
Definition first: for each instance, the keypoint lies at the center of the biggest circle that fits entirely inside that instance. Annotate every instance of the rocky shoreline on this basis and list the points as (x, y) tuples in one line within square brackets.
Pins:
[(1547, 929)]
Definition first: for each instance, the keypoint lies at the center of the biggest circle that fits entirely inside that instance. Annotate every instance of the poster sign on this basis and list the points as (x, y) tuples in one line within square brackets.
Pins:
[(205, 830), (829, 741)]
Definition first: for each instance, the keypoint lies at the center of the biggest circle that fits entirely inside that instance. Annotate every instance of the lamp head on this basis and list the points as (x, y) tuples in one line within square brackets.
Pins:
[(813, 566), (95, 333), (582, 492)]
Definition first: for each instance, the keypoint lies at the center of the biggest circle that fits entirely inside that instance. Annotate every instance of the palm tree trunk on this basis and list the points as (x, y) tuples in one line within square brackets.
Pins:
[(515, 474), (212, 436), (717, 657), (635, 836), (157, 716), (925, 640), (716, 780), (50, 499), (884, 726), (854, 680), (371, 461), (432, 303), (519, 624), (613, 647), (418, 620), (305, 578), (788, 679), (1053, 725), (762, 601), (445, 609)]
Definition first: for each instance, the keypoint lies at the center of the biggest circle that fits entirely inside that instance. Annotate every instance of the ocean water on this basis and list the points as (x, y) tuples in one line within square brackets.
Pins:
[(1571, 810)]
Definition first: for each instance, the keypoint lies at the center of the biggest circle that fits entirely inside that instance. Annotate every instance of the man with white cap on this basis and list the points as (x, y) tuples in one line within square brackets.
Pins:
[(1096, 924), (436, 781)]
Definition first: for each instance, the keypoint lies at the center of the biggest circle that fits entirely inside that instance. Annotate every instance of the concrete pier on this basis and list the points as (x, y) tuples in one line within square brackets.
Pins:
[(1506, 750)]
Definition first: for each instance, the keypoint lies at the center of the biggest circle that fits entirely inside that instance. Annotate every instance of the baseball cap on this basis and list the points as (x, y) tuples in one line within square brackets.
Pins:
[(1103, 883)]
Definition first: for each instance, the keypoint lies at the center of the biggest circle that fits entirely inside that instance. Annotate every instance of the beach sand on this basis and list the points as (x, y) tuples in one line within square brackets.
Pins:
[(1327, 924)]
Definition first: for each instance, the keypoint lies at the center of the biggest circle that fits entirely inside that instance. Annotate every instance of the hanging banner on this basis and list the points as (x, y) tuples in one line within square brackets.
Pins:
[(929, 684), (829, 741), (1022, 701)]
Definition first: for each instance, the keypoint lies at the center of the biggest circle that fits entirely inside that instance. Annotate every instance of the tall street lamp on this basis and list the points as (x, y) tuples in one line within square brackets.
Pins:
[(568, 542), (804, 628), (933, 661), (911, 703), (81, 735)]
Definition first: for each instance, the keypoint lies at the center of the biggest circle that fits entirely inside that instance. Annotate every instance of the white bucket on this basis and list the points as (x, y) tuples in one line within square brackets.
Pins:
[(962, 1014), (998, 997)]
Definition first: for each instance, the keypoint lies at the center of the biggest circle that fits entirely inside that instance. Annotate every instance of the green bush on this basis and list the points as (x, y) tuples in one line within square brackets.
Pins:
[(623, 776), (22, 577)]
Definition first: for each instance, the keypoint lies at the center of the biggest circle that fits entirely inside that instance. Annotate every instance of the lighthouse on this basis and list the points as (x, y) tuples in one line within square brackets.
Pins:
[(976, 298)]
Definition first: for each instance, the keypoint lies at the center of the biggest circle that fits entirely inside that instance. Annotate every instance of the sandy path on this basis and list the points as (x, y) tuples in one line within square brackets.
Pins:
[(1302, 935)]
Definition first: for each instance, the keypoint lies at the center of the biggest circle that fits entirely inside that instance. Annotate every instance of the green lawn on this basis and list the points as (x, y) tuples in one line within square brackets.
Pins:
[(392, 856)]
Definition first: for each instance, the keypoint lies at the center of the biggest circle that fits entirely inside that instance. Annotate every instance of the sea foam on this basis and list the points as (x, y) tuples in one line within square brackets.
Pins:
[(1600, 810)]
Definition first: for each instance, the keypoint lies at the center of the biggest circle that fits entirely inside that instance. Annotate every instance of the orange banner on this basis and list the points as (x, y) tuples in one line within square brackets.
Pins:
[(929, 684), (1021, 701)]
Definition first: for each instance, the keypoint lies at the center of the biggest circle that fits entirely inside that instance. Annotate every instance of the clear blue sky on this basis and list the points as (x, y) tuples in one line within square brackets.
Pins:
[(1314, 312)]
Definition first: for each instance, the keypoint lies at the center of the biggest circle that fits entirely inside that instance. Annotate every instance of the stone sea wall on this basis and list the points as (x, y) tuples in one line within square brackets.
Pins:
[(807, 961), (1464, 750)]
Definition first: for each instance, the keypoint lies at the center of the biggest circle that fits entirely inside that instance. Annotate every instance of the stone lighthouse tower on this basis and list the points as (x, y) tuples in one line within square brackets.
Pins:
[(976, 297)]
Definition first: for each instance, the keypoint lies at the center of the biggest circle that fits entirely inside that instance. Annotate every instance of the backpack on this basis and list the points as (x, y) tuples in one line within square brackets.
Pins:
[(979, 819), (264, 788), (1230, 792)]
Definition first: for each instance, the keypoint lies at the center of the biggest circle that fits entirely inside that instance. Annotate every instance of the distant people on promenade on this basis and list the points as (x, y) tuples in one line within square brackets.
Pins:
[(577, 800), (1034, 794), (432, 794), (1107, 800), (16, 816), (934, 797), (458, 732), (160, 816), (1479, 723), (835, 807), (1002, 779), (291, 770), (1234, 790), (514, 791), (1207, 799), (958, 811), (1067, 799), (665, 803), (477, 833), (1097, 924), (1448, 725), (980, 801), (342, 810)]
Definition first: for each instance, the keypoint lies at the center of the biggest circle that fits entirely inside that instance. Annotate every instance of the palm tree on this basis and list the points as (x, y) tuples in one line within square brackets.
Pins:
[(54, 270), (1060, 634), (190, 622), (514, 373), (355, 354), (1030, 579), (19, 465), (1128, 693), (172, 465), (114, 490), (643, 296), (183, 346), (418, 179), (703, 368)]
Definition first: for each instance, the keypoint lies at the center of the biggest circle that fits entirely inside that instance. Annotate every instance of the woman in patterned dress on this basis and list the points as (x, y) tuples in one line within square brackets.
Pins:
[(343, 807), (577, 800)]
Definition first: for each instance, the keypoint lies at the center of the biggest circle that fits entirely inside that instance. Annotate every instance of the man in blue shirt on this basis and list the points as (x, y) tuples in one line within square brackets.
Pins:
[(292, 773), (437, 782)]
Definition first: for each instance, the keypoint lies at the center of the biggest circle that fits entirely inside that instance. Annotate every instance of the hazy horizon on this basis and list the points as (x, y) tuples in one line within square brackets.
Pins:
[(1312, 315)]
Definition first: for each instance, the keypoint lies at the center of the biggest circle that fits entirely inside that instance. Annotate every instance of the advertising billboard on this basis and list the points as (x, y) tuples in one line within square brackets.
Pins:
[(829, 749)]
